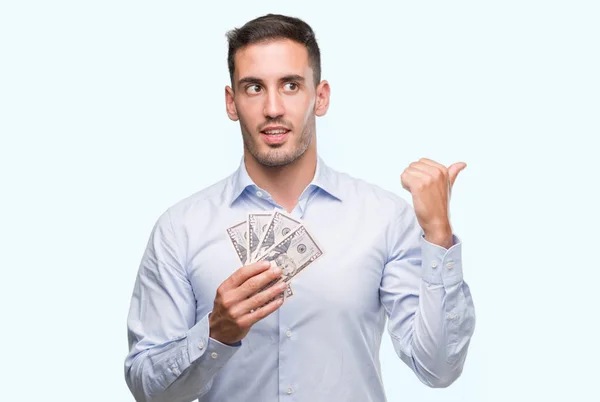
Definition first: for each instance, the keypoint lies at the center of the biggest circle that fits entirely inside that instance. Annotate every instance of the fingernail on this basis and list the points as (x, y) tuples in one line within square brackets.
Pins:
[(275, 268)]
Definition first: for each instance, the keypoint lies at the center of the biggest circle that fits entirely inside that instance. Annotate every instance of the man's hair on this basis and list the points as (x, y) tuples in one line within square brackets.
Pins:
[(272, 27)]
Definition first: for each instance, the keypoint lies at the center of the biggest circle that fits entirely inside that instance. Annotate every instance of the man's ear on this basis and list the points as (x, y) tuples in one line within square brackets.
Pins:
[(230, 104), (322, 102)]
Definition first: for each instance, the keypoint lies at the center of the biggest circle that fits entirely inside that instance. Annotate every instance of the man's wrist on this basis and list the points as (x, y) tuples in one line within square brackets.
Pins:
[(440, 238)]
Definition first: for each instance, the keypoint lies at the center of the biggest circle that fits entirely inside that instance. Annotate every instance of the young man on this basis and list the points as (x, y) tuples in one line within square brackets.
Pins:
[(201, 326)]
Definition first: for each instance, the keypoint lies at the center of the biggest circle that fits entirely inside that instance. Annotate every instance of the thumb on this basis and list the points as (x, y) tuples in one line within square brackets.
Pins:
[(453, 171)]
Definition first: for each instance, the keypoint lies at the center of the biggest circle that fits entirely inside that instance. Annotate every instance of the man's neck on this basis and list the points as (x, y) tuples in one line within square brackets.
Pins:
[(284, 183)]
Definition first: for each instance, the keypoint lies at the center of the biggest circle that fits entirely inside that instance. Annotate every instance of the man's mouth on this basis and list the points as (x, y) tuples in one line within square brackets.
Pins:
[(275, 132), (275, 136)]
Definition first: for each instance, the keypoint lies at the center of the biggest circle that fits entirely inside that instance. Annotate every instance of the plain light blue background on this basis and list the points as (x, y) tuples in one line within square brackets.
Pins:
[(111, 111)]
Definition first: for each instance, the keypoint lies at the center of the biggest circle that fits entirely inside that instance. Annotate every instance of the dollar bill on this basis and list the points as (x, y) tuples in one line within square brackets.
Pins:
[(292, 254), (280, 225), (238, 236), (257, 223)]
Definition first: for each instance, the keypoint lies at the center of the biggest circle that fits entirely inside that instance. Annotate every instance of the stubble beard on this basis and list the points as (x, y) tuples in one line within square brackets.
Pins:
[(275, 155)]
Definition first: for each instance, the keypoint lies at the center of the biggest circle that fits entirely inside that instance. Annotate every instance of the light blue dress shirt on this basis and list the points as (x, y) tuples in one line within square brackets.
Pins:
[(323, 343)]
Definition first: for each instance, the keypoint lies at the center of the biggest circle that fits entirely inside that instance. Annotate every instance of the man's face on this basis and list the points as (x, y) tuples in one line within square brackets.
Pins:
[(274, 98)]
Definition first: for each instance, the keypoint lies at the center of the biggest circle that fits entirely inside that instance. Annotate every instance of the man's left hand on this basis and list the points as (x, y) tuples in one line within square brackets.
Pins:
[(430, 185)]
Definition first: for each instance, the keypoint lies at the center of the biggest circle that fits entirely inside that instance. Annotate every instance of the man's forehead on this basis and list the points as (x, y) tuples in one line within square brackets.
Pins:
[(272, 60)]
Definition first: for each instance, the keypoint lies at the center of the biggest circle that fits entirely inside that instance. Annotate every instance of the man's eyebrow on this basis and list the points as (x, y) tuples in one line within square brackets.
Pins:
[(292, 77), (250, 80)]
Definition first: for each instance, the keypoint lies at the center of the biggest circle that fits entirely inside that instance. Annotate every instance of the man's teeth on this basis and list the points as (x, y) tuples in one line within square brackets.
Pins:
[(274, 132)]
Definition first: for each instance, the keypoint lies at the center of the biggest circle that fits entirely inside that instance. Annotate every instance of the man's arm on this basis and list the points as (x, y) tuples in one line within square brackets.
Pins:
[(430, 309), (171, 356)]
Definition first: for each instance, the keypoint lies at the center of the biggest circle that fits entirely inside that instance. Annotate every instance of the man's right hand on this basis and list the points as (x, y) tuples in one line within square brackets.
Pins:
[(237, 308)]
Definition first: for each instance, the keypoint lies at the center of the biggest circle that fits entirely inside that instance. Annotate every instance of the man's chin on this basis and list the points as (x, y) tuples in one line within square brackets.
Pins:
[(274, 158)]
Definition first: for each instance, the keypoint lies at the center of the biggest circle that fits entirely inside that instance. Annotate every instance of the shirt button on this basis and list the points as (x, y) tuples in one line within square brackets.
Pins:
[(289, 391), (452, 316), (201, 346), (288, 333), (433, 264), (259, 193), (450, 265), (213, 355)]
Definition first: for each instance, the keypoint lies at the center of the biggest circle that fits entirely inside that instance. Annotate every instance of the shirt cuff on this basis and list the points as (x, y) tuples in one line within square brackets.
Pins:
[(441, 265), (207, 350)]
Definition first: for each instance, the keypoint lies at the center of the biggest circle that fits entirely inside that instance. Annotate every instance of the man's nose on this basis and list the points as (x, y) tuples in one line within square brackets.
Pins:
[(274, 106)]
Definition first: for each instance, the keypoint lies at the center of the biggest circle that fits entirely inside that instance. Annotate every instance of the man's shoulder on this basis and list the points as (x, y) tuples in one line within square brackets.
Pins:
[(365, 191), (200, 201)]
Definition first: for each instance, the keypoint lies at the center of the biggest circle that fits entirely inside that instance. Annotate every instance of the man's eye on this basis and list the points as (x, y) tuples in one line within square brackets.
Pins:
[(291, 86), (253, 89)]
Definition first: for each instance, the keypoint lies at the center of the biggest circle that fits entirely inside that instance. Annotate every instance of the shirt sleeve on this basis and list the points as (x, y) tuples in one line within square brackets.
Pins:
[(429, 306), (171, 356)]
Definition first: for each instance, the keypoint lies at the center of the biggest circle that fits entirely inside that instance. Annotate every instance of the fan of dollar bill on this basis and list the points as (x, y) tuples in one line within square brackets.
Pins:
[(277, 237)]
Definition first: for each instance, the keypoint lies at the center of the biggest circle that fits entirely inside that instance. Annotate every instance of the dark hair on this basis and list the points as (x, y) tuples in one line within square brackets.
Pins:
[(272, 27)]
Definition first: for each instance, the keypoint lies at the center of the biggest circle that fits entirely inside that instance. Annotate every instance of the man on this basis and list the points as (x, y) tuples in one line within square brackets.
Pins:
[(197, 326)]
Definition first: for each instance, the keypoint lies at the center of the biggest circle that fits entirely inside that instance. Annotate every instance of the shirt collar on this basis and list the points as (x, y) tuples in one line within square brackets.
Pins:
[(240, 181), (325, 179)]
